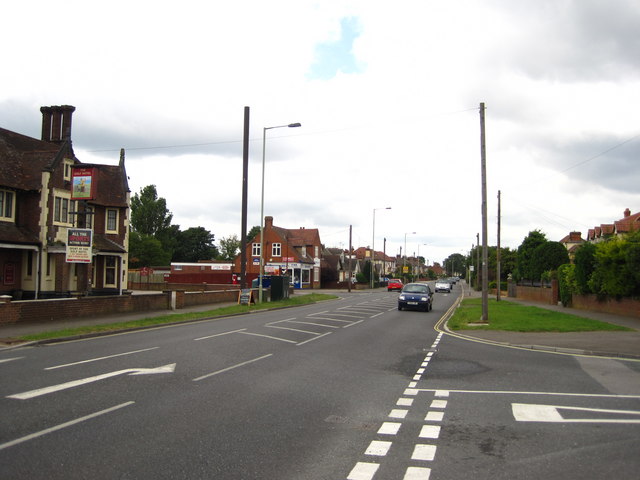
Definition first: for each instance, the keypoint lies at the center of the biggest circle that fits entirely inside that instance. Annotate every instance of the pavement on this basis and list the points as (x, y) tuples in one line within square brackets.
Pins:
[(620, 344)]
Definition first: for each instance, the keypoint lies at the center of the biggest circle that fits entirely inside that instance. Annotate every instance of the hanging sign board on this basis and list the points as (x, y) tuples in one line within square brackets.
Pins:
[(79, 241), (83, 183), (245, 296)]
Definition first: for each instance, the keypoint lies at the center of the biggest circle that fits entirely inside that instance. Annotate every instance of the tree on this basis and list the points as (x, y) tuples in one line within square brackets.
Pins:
[(146, 251), (254, 233), (585, 264), (149, 214), (194, 244), (229, 247), (526, 254), (547, 256), (617, 264)]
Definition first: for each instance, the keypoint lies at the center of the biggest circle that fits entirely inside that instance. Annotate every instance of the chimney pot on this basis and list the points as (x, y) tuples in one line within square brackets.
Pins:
[(627, 213)]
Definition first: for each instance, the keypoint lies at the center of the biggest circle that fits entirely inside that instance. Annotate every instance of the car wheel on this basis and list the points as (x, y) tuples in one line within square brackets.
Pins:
[(399, 308)]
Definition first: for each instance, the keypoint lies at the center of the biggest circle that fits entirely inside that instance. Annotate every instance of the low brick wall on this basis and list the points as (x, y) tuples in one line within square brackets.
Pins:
[(24, 311), (627, 307), (537, 294)]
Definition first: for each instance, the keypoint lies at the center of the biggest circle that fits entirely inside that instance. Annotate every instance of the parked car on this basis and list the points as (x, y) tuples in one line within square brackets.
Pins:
[(416, 296), (443, 285), (394, 284)]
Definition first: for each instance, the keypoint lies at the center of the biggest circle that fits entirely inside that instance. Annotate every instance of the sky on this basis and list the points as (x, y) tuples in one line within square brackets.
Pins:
[(388, 95)]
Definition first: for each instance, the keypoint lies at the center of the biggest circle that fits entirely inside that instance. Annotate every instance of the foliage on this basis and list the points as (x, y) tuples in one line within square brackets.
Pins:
[(525, 264), (229, 247), (585, 262), (194, 244), (617, 263), (566, 282), (254, 234), (454, 264), (149, 213), (547, 256), (146, 251)]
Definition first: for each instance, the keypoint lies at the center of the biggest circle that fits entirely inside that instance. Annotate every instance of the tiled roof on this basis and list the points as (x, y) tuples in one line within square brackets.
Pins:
[(10, 233), (23, 160)]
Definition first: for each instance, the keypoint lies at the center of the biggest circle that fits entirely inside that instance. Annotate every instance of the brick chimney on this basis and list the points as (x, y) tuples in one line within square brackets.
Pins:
[(627, 213), (575, 236), (56, 123), (268, 222)]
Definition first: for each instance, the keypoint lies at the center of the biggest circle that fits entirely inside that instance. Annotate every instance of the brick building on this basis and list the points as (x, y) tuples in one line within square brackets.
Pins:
[(38, 208), (294, 252)]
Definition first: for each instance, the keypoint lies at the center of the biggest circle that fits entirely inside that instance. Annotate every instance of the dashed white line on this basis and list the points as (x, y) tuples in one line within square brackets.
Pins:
[(232, 367), (378, 448), (417, 473), (430, 431), (424, 452), (398, 413), (100, 358), (363, 471), (389, 428), (434, 416)]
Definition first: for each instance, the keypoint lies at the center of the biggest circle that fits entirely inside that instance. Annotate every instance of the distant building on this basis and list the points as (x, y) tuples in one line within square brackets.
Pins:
[(292, 252), (39, 211)]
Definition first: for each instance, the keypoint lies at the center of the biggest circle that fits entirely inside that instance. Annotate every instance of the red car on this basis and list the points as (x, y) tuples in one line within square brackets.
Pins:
[(394, 284)]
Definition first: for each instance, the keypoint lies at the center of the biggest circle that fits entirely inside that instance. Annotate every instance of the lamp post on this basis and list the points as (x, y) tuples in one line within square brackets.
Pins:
[(264, 143), (373, 241), (404, 259)]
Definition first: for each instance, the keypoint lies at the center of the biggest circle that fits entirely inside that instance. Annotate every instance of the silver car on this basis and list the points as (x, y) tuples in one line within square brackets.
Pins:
[(443, 286)]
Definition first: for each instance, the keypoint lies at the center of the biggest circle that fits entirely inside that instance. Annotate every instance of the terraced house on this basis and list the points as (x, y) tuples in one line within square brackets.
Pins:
[(47, 197)]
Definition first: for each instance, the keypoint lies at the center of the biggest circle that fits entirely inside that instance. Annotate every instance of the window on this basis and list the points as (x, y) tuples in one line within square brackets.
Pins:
[(315, 251), (276, 250), (61, 210), (6, 205), (68, 163), (255, 249), (110, 271), (112, 220)]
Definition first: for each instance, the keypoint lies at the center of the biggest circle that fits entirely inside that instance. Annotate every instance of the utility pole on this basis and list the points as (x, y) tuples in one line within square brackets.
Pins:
[(498, 253), (245, 181), (485, 254), (477, 260), (350, 259)]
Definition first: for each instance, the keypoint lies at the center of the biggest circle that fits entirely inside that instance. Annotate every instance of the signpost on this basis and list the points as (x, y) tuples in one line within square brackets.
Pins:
[(245, 296), (79, 241)]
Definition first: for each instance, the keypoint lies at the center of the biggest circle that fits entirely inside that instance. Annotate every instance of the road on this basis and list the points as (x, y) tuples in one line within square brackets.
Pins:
[(350, 388)]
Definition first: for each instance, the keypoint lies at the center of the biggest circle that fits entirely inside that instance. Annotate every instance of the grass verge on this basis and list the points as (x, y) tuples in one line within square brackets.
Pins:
[(513, 317), (178, 317)]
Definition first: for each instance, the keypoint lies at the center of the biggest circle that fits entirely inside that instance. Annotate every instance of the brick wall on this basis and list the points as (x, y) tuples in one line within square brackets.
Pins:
[(625, 306), (83, 307), (538, 294)]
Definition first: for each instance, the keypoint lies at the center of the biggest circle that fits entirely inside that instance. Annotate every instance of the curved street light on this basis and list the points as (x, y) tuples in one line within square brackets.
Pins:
[(373, 241), (264, 143)]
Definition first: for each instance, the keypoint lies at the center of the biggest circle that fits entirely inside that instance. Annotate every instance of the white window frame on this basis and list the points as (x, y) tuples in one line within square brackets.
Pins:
[(60, 198), (276, 249), (116, 220), (255, 249), (7, 212), (114, 268), (67, 164)]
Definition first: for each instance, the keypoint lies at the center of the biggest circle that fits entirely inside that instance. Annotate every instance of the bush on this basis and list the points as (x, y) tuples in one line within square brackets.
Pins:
[(566, 283)]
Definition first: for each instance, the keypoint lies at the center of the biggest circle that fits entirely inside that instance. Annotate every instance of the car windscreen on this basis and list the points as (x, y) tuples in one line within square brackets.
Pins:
[(415, 289)]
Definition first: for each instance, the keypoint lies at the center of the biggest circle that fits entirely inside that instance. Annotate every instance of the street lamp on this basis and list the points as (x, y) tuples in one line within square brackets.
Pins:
[(264, 143), (404, 260), (373, 241)]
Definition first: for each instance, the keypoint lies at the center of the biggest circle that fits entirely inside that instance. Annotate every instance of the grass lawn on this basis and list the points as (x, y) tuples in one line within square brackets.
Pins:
[(179, 317), (514, 317)]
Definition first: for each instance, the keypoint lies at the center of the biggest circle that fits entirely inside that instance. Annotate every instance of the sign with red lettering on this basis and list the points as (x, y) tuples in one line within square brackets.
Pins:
[(79, 242), (82, 183)]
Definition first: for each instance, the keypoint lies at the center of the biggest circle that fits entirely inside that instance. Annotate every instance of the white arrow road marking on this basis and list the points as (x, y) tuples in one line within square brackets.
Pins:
[(75, 383), (524, 412)]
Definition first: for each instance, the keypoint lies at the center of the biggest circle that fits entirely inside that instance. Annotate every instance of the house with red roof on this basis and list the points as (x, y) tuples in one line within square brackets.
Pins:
[(292, 252), (56, 241)]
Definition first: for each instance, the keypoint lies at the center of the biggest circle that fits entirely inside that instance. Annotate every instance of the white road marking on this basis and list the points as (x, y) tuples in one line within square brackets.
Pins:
[(430, 431), (232, 367), (445, 393), (10, 359), (378, 448), (420, 371), (439, 404), (417, 473), (62, 425), (424, 452), (332, 319), (268, 336), (389, 428), (363, 471), (398, 413), (100, 358), (523, 412), (316, 324), (404, 402), (313, 339), (434, 416), (83, 381), (352, 324), (220, 334)]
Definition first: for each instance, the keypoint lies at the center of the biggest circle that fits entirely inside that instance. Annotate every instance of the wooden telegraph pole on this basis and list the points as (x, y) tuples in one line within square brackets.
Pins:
[(498, 253), (485, 254)]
